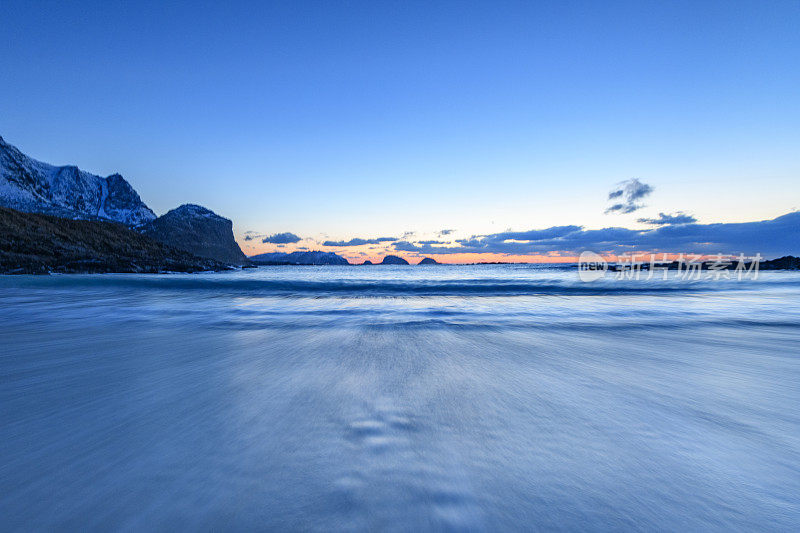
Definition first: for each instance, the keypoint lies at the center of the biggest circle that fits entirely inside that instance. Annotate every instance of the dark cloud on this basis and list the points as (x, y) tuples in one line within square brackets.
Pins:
[(631, 191), (356, 241), (518, 237), (405, 246), (444, 232), (636, 190), (554, 232), (664, 219), (778, 236), (623, 208), (281, 238)]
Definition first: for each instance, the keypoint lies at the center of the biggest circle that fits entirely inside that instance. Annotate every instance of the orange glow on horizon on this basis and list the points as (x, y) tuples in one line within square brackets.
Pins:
[(358, 254), (375, 253)]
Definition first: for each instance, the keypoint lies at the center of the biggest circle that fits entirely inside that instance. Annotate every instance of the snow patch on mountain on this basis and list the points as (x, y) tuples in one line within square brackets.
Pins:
[(33, 186)]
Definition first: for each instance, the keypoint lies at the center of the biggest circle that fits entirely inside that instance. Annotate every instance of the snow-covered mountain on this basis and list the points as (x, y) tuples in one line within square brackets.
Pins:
[(35, 187), (301, 258)]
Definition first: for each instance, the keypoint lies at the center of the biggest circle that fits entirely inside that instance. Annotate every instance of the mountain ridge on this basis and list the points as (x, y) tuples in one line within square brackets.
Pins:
[(30, 185)]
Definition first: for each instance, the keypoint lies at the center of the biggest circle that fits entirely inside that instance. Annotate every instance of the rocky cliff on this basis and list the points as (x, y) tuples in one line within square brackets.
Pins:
[(199, 231)]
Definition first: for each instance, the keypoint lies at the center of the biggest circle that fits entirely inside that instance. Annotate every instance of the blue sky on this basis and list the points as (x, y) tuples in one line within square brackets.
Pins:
[(342, 120)]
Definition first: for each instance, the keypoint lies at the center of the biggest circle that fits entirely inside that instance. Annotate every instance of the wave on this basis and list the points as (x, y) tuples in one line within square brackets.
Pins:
[(361, 287)]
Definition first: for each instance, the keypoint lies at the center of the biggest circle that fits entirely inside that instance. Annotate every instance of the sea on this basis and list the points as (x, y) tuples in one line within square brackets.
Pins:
[(399, 398)]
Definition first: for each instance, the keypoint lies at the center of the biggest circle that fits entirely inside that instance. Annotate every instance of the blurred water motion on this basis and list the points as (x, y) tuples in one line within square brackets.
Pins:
[(483, 397)]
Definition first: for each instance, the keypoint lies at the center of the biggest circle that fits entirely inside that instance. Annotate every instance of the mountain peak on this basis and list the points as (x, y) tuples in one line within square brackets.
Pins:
[(35, 187), (198, 230), (194, 210)]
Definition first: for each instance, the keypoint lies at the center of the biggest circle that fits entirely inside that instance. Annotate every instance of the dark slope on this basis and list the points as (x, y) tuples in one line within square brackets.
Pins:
[(36, 243), (199, 231)]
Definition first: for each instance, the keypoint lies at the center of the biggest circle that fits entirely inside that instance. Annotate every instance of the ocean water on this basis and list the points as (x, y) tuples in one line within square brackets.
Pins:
[(486, 398)]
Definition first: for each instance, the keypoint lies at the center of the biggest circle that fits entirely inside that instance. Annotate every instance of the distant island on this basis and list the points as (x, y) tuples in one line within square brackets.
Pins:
[(393, 260), (299, 258), (325, 258)]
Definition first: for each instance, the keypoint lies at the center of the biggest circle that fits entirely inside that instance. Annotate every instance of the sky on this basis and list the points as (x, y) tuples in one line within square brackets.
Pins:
[(335, 120)]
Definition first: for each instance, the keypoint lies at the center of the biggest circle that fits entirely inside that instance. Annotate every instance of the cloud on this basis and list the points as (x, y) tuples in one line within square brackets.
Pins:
[(664, 219), (623, 208), (631, 191), (281, 238), (405, 246), (444, 232), (356, 241), (778, 236)]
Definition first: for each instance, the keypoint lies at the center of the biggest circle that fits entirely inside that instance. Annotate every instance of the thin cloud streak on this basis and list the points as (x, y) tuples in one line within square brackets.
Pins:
[(664, 219)]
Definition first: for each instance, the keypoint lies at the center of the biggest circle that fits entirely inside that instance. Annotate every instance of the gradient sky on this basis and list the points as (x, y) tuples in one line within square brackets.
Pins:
[(334, 120)]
